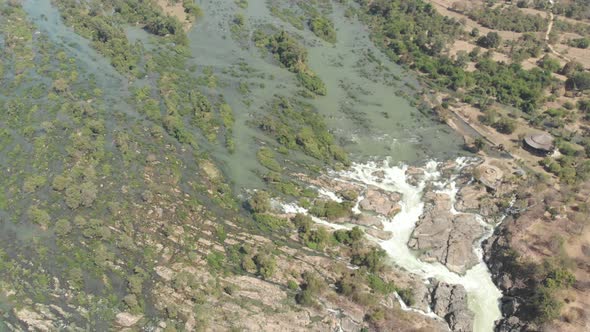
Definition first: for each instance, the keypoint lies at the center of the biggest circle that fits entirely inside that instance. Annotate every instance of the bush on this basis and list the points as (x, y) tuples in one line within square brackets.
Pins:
[(505, 125), (349, 237), (331, 210), (379, 285), (259, 202), (266, 157), (39, 216), (584, 105), (373, 259), (579, 42), (265, 265), (323, 28), (312, 83), (579, 81), (270, 223), (491, 40), (550, 64), (313, 285)]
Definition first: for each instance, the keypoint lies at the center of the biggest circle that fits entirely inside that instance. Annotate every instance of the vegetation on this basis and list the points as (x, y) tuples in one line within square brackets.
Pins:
[(296, 125), (323, 28), (508, 19), (293, 56), (331, 210)]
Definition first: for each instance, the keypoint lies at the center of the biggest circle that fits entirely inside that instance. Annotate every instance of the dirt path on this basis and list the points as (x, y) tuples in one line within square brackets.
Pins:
[(549, 28)]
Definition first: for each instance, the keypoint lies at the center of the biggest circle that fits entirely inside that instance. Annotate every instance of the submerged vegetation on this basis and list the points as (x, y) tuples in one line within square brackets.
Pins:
[(293, 56)]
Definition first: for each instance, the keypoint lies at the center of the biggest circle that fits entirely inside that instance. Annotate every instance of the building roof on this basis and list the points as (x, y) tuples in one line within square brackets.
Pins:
[(540, 141)]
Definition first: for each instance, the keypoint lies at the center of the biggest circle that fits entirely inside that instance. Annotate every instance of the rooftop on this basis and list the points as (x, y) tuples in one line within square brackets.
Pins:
[(542, 141)]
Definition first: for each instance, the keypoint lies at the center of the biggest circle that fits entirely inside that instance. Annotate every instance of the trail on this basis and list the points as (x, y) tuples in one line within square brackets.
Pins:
[(549, 29)]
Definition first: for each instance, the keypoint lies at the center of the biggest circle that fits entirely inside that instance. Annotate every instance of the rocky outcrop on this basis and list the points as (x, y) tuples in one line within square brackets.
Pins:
[(474, 198), (381, 202), (513, 282), (445, 237), (39, 319), (450, 303), (125, 319)]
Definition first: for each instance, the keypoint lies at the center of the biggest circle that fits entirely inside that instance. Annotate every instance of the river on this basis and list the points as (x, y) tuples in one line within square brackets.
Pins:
[(364, 108)]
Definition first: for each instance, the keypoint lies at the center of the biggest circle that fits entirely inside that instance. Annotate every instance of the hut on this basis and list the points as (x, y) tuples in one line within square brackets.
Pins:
[(541, 144)]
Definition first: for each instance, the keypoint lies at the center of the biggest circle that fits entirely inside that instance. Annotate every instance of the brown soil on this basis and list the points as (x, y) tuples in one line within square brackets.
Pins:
[(176, 10)]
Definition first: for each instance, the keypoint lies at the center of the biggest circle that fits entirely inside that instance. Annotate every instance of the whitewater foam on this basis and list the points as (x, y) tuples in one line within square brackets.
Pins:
[(483, 295)]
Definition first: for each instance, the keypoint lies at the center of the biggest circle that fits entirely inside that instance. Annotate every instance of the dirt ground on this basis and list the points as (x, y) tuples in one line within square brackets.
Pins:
[(176, 10)]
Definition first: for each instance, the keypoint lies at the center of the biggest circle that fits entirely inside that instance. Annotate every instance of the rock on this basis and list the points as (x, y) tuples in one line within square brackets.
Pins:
[(509, 305), (368, 220), (450, 303), (34, 320), (414, 175), (475, 198), (125, 319), (381, 235), (511, 324), (446, 237), (381, 202), (422, 296), (379, 174), (460, 321), (468, 198)]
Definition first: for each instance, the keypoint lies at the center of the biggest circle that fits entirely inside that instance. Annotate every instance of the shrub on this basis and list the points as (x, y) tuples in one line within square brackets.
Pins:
[(39, 216), (312, 83), (379, 285), (259, 202), (579, 42), (266, 157), (265, 265), (312, 286), (349, 237), (373, 259), (331, 210), (579, 81), (491, 40), (505, 125), (323, 28), (270, 223)]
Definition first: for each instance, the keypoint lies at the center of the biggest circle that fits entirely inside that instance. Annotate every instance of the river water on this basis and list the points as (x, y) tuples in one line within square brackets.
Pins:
[(364, 109)]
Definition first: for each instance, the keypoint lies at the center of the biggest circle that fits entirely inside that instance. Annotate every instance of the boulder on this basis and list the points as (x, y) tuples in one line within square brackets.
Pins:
[(414, 175), (380, 234), (381, 202), (368, 220)]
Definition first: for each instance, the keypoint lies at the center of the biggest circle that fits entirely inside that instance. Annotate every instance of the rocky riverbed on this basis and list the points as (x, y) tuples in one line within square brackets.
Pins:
[(445, 237)]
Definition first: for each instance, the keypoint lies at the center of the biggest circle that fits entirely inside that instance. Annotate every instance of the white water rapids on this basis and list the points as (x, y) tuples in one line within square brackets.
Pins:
[(483, 295)]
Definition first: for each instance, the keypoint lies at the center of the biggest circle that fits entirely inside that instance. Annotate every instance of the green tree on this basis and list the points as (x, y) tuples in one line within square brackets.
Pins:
[(491, 40)]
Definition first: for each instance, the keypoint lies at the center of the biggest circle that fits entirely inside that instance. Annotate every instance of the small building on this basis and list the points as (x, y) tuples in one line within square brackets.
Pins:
[(541, 144)]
